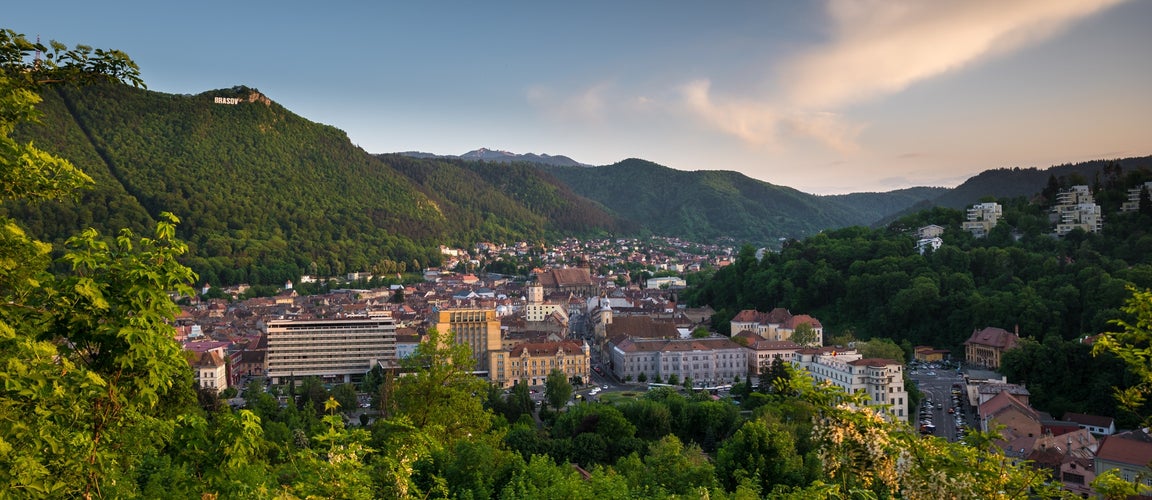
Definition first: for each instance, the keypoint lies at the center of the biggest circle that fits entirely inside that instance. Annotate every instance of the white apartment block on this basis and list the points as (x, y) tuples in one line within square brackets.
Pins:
[(1075, 208), (881, 379), (337, 349), (982, 217), (1133, 203)]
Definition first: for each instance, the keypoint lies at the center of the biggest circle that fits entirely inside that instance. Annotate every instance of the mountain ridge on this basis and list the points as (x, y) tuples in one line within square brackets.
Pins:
[(266, 195)]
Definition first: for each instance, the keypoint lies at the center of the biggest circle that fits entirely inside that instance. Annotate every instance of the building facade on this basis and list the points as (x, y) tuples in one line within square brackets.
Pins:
[(708, 362), (479, 329), (339, 349), (982, 217), (531, 362), (985, 347), (881, 379)]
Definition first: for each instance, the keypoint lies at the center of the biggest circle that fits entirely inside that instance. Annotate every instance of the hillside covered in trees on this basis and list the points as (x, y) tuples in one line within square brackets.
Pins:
[(873, 283)]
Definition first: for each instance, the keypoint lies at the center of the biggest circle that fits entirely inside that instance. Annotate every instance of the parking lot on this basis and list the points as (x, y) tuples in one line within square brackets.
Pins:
[(945, 411)]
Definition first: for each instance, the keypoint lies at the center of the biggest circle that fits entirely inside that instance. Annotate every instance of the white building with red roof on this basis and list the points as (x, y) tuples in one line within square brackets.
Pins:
[(881, 379)]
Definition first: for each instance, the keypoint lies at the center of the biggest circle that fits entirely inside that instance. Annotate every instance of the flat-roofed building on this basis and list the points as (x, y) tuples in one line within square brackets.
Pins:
[(479, 329), (341, 349)]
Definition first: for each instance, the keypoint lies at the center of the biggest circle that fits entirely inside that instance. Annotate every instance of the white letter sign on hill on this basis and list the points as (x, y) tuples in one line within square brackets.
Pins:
[(227, 100)]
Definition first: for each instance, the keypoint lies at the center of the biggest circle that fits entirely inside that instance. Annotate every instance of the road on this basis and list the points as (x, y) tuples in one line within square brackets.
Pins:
[(936, 384)]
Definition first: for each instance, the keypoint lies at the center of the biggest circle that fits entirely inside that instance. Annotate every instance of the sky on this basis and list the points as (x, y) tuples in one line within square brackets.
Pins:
[(826, 97)]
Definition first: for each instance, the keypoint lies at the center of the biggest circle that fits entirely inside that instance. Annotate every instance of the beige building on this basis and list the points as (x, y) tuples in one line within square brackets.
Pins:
[(982, 217), (1075, 208), (479, 329), (531, 362), (340, 349)]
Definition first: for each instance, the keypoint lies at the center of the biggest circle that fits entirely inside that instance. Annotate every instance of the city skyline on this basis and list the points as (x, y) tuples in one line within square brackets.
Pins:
[(825, 97)]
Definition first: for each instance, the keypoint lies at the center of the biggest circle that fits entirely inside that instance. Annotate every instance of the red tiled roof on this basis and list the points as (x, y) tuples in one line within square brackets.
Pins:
[(1133, 447), (1090, 420), (993, 337), (569, 347), (800, 319), (874, 362)]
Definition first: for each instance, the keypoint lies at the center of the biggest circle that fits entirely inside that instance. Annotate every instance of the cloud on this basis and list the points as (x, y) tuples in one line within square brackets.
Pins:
[(880, 47), (590, 104)]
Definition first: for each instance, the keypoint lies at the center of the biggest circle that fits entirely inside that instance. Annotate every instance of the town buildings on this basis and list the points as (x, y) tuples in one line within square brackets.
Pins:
[(336, 349)]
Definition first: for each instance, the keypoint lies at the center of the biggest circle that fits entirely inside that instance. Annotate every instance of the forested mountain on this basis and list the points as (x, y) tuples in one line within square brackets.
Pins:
[(265, 195), (1011, 182), (874, 207), (497, 156), (705, 205)]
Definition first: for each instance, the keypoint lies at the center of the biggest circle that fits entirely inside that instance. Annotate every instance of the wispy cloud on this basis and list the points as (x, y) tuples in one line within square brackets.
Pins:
[(874, 48), (879, 47)]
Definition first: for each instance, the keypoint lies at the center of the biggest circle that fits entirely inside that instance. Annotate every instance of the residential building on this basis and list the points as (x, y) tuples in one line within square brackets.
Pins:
[(982, 217), (1075, 208), (1129, 453), (930, 231), (479, 329), (209, 370), (1133, 203), (1096, 424), (338, 349), (531, 362), (1019, 422), (881, 379), (985, 347), (708, 362), (923, 244)]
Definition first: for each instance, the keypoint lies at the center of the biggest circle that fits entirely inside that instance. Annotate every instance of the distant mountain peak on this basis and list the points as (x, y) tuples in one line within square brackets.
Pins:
[(502, 156)]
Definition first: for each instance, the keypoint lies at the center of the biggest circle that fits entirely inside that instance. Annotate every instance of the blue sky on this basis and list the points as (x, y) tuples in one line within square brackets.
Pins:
[(826, 97)]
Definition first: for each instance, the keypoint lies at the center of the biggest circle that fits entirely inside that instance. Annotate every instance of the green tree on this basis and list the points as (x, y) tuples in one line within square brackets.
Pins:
[(804, 334), (760, 452), (1133, 345), (439, 394), (557, 389), (87, 357)]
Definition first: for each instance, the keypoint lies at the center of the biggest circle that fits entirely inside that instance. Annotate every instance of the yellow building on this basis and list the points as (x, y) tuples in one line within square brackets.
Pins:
[(531, 362), (479, 329)]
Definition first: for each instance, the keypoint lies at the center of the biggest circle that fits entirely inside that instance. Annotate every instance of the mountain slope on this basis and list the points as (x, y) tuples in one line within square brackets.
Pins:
[(703, 205), (264, 195)]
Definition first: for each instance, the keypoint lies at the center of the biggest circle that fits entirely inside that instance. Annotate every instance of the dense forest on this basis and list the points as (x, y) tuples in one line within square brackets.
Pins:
[(873, 283)]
